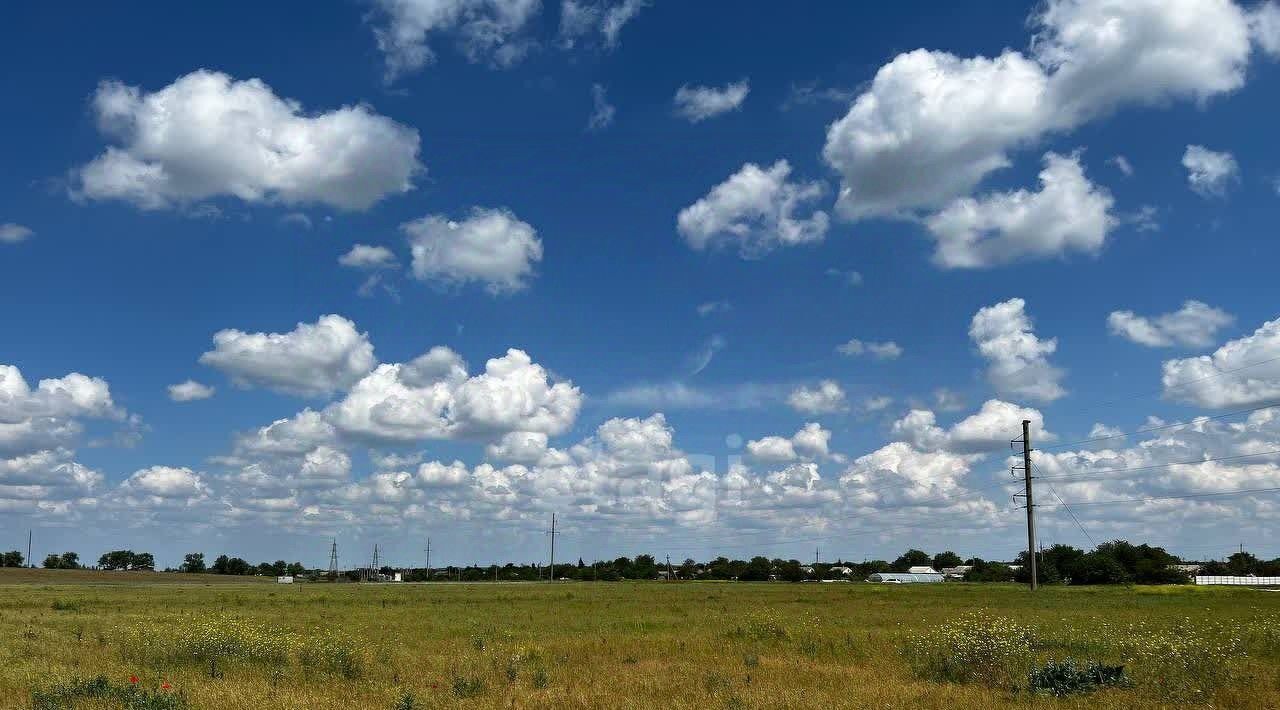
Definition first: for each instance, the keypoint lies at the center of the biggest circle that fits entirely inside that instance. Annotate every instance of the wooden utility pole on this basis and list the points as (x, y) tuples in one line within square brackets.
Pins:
[(428, 559), (552, 576), (1031, 506)]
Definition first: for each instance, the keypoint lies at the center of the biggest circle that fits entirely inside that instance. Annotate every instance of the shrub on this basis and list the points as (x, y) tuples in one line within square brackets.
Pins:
[(468, 686), (129, 697), (1059, 678), (976, 648)]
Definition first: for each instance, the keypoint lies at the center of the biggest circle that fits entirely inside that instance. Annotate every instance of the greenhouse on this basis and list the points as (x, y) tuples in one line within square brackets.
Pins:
[(905, 578)]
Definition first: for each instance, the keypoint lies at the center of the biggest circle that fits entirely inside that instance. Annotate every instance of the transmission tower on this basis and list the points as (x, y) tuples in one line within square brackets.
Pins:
[(333, 559)]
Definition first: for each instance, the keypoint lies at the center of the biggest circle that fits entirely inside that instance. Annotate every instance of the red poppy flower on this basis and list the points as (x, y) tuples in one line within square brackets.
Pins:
[(166, 685), (133, 679)]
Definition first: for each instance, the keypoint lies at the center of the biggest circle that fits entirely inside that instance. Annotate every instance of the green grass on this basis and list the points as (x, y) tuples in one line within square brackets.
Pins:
[(691, 645)]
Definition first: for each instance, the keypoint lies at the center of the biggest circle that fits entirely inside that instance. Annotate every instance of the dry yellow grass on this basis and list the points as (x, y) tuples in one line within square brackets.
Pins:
[(574, 645)]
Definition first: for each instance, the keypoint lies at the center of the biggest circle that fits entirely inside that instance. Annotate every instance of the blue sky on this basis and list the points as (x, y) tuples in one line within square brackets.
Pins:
[(575, 180)]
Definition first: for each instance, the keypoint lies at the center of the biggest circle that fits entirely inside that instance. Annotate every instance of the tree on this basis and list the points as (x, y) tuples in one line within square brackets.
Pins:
[(295, 569), (70, 560), (757, 570), (984, 571), (12, 558), (791, 571), (193, 563), (220, 564), (143, 560), (280, 568), (118, 559), (911, 558), (53, 561), (946, 559)]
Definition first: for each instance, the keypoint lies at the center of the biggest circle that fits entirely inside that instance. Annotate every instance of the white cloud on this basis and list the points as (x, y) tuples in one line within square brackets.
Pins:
[(898, 473), (189, 391), (678, 395), (312, 359), (811, 442), (848, 276), (827, 397), (432, 398), (295, 436), (489, 31), (713, 307), (881, 351), (1194, 325), (369, 258), (207, 135), (1209, 173), (490, 246), (932, 125), (1201, 380), (698, 103), (1122, 164), (1069, 213), (36, 479), (1018, 359), (583, 18), (602, 112), (1264, 25), (754, 210), (166, 482), (11, 233), (990, 428)]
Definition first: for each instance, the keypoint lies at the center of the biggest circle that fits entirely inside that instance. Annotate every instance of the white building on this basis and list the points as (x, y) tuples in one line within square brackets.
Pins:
[(922, 569)]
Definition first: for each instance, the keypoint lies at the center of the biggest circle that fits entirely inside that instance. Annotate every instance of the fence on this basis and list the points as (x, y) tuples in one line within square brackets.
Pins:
[(1238, 581)]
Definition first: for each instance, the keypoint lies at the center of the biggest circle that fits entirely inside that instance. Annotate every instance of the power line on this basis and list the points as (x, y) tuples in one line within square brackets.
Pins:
[(1152, 467), (1073, 515), (1185, 496), (1163, 427)]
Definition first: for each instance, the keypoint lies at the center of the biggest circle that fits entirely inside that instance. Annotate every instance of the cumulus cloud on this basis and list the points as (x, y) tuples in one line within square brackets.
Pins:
[(1018, 360), (11, 233), (190, 391), (433, 398), (1194, 325), (1242, 373), (679, 395), (165, 482), (369, 258), (45, 481), (990, 428), (602, 112), (887, 350), (811, 442), (827, 397), (585, 19), (932, 125), (698, 103), (1209, 173), (754, 211), (207, 135), (486, 31), (310, 360), (1069, 213), (1264, 25), (489, 246)]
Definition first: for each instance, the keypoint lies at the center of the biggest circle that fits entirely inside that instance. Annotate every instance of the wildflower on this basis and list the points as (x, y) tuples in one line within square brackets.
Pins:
[(133, 680), (165, 685)]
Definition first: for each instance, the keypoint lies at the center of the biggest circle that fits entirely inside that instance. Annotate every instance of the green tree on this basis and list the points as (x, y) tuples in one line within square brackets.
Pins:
[(143, 560), (757, 570), (946, 559), (12, 558), (70, 560), (791, 571), (193, 563), (911, 558), (295, 569), (53, 561)]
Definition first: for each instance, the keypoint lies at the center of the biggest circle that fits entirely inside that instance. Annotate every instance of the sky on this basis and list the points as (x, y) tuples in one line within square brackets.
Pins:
[(780, 281)]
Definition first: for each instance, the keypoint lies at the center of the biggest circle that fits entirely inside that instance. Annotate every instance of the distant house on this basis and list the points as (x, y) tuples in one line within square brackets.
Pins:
[(956, 572), (930, 577), (846, 571), (922, 569)]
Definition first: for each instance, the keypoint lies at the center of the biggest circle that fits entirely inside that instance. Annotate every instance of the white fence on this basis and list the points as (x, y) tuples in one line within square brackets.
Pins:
[(1238, 581)]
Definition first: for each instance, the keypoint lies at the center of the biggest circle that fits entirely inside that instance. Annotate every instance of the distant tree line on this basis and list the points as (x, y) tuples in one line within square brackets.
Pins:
[(67, 560), (13, 558), (193, 563)]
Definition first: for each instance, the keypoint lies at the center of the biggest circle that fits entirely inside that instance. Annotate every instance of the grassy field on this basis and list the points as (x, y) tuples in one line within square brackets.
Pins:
[(703, 645)]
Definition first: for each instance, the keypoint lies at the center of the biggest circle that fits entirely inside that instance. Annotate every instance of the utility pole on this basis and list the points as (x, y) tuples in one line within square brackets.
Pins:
[(428, 559), (1031, 506), (30, 564), (552, 576), (670, 576)]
